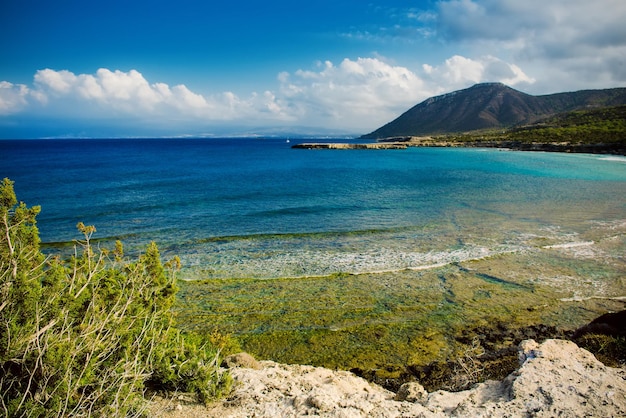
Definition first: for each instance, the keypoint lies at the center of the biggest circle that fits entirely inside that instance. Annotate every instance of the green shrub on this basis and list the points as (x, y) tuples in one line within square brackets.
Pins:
[(187, 363), (609, 349), (83, 337)]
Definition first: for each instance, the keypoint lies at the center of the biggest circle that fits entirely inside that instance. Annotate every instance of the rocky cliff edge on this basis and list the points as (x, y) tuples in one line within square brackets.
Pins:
[(555, 378)]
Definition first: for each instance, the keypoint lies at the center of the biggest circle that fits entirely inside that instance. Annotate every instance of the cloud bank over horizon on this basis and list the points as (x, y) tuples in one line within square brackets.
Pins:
[(353, 95), (394, 58)]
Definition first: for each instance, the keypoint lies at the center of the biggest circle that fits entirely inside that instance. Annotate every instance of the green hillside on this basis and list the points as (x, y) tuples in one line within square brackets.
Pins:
[(498, 107), (593, 126)]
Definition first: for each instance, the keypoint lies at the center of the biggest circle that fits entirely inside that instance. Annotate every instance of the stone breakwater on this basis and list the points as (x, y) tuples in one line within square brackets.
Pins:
[(555, 378), (350, 146)]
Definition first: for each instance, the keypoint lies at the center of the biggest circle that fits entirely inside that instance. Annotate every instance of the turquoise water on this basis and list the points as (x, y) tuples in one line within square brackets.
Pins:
[(258, 208)]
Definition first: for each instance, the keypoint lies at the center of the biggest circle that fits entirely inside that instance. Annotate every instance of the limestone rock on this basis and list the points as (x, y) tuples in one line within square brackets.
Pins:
[(556, 378), (412, 392), (244, 360)]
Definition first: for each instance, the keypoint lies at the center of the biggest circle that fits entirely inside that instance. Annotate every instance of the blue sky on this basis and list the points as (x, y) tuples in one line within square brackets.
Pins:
[(163, 68)]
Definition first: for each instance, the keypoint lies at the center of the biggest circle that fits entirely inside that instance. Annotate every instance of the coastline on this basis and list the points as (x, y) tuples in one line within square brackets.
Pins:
[(429, 316), (425, 317), (347, 146), (427, 141), (553, 377)]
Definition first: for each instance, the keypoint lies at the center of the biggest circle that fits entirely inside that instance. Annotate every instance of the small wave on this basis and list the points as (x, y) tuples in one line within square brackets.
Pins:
[(322, 263), (613, 158), (570, 245), (293, 235), (294, 211), (582, 299)]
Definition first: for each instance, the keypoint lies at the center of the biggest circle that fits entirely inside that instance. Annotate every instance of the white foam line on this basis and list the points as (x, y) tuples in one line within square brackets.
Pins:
[(570, 244), (613, 158), (581, 299), (412, 268), (396, 270)]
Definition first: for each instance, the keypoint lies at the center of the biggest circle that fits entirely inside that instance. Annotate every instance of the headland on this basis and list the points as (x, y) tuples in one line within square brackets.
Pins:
[(615, 148)]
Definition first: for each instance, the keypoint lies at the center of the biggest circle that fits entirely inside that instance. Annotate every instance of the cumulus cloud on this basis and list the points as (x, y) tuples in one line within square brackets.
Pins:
[(13, 97), (127, 91), (458, 71), (358, 94), (130, 94), (566, 43), (351, 93), (369, 92), (563, 44)]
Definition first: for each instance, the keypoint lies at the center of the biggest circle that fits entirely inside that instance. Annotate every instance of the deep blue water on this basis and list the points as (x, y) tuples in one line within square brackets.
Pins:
[(257, 207)]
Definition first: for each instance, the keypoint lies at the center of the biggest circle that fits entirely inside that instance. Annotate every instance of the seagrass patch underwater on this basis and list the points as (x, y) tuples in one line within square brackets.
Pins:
[(386, 321)]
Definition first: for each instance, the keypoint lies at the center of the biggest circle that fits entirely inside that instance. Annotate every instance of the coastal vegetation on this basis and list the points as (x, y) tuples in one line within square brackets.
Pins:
[(89, 335), (600, 130), (602, 127)]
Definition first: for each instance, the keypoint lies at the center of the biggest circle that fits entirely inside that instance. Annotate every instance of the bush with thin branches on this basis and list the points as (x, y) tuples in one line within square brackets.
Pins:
[(85, 336)]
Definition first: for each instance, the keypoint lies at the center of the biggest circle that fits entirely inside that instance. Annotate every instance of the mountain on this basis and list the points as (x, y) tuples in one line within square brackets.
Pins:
[(488, 106)]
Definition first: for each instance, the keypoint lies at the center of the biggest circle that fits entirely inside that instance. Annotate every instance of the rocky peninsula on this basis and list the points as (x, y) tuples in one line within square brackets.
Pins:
[(594, 130), (375, 145), (516, 145)]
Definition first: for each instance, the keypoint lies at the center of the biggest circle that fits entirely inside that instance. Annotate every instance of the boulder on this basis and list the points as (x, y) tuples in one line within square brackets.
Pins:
[(412, 392), (612, 324), (556, 378), (244, 360)]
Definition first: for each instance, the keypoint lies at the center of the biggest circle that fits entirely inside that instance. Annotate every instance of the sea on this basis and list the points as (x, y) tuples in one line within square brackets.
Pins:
[(257, 208)]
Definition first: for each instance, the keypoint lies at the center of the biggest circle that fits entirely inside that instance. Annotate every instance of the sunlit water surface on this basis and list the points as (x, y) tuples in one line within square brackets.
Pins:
[(325, 247), (257, 208)]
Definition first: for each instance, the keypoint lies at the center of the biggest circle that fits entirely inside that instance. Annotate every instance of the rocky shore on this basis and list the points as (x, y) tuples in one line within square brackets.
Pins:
[(412, 141), (564, 146), (380, 145), (554, 378)]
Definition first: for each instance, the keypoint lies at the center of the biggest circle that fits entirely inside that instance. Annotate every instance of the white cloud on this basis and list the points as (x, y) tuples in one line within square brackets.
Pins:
[(185, 99), (356, 94), (129, 94), (12, 97), (564, 44), (579, 21), (353, 93), (458, 72), (60, 82), (368, 92), (126, 91)]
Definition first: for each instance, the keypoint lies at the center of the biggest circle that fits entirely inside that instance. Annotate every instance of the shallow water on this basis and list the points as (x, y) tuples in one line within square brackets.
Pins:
[(472, 235), (257, 208)]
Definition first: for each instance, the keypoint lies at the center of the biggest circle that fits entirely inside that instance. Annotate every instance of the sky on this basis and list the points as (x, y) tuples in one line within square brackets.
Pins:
[(116, 68)]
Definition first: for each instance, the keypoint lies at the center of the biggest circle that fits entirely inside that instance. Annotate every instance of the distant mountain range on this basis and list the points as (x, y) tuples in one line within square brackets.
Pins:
[(491, 106)]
